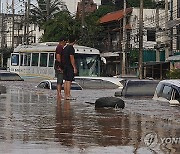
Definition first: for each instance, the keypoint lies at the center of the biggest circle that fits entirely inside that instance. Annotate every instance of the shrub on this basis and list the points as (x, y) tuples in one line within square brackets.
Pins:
[(174, 74)]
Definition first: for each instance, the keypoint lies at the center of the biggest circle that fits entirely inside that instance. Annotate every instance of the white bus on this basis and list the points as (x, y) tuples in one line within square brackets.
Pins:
[(38, 60)]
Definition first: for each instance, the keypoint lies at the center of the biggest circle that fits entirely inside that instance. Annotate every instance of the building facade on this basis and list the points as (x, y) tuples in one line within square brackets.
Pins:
[(89, 7), (11, 35), (114, 40), (176, 4)]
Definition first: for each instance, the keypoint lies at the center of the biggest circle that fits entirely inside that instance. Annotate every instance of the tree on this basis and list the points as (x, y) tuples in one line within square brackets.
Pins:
[(173, 74), (94, 33), (45, 10), (5, 53), (62, 24)]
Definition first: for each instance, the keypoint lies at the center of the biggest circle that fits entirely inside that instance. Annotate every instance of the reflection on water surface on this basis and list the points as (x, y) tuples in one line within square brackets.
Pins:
[(35, 122)]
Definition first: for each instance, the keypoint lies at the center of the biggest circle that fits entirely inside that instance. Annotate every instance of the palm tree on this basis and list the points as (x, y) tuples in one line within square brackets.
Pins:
[(45, 10)]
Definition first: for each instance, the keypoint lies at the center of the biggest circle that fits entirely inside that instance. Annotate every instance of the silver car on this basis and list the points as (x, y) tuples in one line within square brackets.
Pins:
[(168, 90)]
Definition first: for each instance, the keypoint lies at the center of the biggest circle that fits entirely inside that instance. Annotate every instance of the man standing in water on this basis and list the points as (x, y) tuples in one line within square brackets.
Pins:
[(58, 66), (69, 66)]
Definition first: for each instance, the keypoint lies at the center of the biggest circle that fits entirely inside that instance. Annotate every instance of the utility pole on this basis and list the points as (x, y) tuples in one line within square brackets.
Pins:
[(124, 42), (82, 17), (25, 23), (47, 9), (141, 40), (157, 29), (27, 31), (171, 31), (166, 31), (2, 38), (0, 6), (13, 11)]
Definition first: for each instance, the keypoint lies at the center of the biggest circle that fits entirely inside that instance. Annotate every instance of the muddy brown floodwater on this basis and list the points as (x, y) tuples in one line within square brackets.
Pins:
[(33, 121)]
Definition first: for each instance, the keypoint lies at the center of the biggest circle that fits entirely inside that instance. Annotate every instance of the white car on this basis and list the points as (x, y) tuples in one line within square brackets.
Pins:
[(169, 91), (137, 88), (52, 84), (100, 82), (9, 76)]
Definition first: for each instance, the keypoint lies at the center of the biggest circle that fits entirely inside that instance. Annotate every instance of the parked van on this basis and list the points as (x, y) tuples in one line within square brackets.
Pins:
[(168, 90)]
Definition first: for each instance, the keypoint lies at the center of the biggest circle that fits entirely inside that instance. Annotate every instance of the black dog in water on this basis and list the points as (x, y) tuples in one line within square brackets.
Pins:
[(109, 102)]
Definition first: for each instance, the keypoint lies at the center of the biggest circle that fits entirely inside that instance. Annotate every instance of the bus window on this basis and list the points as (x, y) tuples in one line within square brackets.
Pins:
[(21, 59), (35, 58), (51, 60), (15, 60), (43, 60), (27, 59)]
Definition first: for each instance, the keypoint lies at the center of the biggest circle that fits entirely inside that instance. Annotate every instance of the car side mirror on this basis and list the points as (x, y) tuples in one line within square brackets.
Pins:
[(174, 102)]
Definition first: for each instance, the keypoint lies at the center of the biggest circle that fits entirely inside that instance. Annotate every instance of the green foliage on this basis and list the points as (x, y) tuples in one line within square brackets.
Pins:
[(103, 9), (174, 74), (93, 33), (59, 23), (62, 25), (39, 13), (133, 57), (147, 3), (6, 52)]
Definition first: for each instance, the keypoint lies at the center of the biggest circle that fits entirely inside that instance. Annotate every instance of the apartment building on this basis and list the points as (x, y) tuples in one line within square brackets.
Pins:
[(89, 7), (150, 35), (22, 33)]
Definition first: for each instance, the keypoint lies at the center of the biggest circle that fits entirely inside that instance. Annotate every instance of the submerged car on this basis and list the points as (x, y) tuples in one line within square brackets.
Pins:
[(100, 82), (138, 88), (52, 84), (9, 76), (169, 91)]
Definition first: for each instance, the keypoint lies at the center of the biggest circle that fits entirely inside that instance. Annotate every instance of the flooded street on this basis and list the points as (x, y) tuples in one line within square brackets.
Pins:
[(33, 121)]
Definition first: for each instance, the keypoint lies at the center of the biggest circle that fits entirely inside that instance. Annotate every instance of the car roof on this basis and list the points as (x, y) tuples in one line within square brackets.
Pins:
[(173, 82), (54, 80), (110, 79), (49, 81)]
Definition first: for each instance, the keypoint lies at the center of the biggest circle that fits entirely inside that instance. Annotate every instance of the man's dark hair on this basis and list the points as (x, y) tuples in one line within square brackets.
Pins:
[(72, 39), (62, 38)]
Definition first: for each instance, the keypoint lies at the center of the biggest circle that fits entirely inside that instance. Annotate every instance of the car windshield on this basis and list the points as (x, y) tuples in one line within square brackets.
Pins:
[(74, 86), (10, 77)]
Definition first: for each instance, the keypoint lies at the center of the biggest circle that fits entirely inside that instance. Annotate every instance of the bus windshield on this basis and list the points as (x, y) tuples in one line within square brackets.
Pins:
[(15, 59), (88, 65)]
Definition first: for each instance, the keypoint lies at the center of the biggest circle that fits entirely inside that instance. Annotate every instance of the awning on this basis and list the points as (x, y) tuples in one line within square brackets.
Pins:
[(114, 16), (173, 58), (109, 54)]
